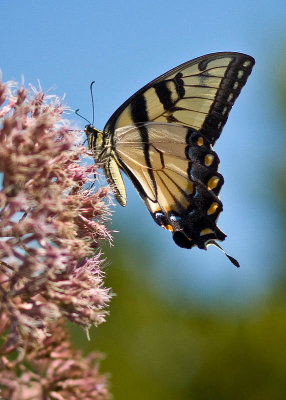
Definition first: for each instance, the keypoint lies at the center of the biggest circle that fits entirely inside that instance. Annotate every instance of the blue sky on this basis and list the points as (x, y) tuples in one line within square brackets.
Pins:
[(122, 45)]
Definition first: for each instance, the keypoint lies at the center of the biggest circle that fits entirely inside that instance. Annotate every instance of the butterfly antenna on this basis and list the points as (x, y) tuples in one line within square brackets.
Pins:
[(92, 102), (76, 112), (232, 259)]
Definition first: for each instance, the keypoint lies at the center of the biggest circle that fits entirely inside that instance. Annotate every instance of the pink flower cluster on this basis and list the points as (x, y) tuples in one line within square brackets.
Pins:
[(51, 224)]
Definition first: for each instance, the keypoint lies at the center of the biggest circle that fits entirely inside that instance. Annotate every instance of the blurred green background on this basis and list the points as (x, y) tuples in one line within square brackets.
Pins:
[(183, 324)]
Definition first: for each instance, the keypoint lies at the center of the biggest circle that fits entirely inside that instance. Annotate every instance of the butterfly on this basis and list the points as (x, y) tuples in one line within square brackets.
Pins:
[(162, 138)]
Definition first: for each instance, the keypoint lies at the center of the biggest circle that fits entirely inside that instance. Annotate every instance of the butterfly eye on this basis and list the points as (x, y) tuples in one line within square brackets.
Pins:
[(90, 130)]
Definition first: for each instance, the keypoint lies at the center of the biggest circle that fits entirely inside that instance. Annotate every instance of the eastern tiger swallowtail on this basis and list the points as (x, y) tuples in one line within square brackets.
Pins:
[(162, 138)]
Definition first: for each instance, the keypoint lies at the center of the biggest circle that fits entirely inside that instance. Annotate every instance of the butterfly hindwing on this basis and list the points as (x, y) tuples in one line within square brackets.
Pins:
[(175, 171)]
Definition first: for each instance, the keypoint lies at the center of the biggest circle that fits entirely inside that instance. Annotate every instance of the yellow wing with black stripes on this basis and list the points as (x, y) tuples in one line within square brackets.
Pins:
[(162, 138), (198, 94), (176, 174)]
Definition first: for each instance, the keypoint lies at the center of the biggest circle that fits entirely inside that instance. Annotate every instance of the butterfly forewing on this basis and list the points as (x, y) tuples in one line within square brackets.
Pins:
[(198, 94)]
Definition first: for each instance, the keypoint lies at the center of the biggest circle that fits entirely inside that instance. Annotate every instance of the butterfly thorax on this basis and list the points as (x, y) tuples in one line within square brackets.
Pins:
[(96, 143), (104, 155)]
